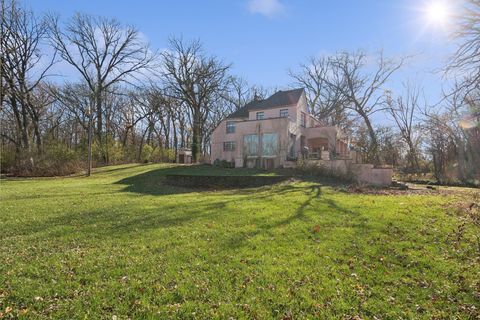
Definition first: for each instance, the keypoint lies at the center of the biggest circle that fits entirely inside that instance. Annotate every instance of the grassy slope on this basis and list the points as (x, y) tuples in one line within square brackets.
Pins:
[(121, 243)]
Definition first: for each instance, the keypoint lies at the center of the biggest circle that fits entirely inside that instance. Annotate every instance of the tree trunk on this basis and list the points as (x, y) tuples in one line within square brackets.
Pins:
[(90, 136), (413, 155), (182, 134), (139, 154), (197, 136), (24, 130), (99, 111), (38, 137), (16, 112), (373, 138), (125, 137), (175, 138)]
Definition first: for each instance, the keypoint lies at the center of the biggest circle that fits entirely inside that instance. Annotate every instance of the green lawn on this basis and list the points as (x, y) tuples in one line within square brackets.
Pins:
[(122, 244)]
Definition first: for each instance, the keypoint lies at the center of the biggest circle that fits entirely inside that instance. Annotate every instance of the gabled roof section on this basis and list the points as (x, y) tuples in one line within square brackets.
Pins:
[(278, 99)]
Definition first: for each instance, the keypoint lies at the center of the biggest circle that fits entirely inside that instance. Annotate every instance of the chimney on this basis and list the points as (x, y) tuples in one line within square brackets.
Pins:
[(256, 97)]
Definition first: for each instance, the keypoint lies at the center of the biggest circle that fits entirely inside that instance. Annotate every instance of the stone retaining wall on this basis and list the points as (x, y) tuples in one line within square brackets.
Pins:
[(197, 181), (363, 172)]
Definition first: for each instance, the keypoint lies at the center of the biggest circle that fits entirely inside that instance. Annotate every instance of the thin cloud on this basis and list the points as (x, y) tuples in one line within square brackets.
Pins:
[(268, 8)]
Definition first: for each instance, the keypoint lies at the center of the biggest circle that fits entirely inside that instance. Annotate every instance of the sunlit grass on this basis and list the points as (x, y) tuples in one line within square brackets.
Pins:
[(121, 243)]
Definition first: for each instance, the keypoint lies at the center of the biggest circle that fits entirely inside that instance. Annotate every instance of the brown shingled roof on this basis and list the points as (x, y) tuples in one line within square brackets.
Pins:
[(278, 99)]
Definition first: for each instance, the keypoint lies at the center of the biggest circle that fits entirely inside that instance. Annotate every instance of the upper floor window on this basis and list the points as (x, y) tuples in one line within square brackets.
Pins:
[(284, 113), (260, 115), (303, 119), (230, 126), (229, 146)]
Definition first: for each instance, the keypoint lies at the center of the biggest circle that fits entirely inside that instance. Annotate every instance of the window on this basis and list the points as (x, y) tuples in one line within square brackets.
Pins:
[(270, 144), (250, 145), (284, 113), (303, 119), (291, 146), (230, 126), (260, 115), (229, 146)]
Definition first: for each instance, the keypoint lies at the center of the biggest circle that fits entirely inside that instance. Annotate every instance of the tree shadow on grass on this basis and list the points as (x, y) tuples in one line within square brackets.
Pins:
[(117, 221), (108, 169), (338, 217), (120, 221), (314, 193), (153, 183), (131, 222)]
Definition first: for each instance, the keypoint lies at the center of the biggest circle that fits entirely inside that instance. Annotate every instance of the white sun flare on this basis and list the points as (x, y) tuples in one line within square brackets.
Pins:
[(437, 13)]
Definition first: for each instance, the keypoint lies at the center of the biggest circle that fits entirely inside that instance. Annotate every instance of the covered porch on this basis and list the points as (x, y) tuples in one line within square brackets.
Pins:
[(325, 143), (325, 149), (318, 148)]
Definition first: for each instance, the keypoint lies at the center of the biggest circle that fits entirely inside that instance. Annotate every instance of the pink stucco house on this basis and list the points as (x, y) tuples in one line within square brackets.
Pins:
[(278, 131), (275, 132)]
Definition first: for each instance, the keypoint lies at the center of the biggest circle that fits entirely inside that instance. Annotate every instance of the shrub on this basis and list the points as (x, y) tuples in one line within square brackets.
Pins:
[(56, 160), (7, 158), (162, 155), (227, 164), (109, 151), (320, 170), (153, 154), (224, 163), (147, 153)]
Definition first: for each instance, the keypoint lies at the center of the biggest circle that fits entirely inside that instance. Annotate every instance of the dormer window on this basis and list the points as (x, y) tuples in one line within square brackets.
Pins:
[(284, 113), (260, 115)]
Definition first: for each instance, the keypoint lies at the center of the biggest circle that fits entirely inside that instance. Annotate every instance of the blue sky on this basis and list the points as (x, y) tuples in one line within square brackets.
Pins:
[(264, 38)]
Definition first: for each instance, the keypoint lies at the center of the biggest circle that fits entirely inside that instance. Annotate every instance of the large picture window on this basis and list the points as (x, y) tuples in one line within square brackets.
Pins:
[(230, 126), (250, 145), (270, 144), (291, 145)]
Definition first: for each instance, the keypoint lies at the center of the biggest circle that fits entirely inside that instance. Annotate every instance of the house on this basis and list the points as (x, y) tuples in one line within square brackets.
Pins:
[(278, 131), (275, 132)]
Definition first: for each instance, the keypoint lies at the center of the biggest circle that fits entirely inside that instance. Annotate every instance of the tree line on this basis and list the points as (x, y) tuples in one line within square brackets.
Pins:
[(132, 103)]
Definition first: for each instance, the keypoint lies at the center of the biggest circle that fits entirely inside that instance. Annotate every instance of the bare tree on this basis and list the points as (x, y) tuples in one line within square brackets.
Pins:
[(466, 59), (363, 88), (192, 78), (238, 93), (321, 82), (454, 135), (78, 99), (104, 52), (390, 145), (23, 69), (404, 110), (4, 36)]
